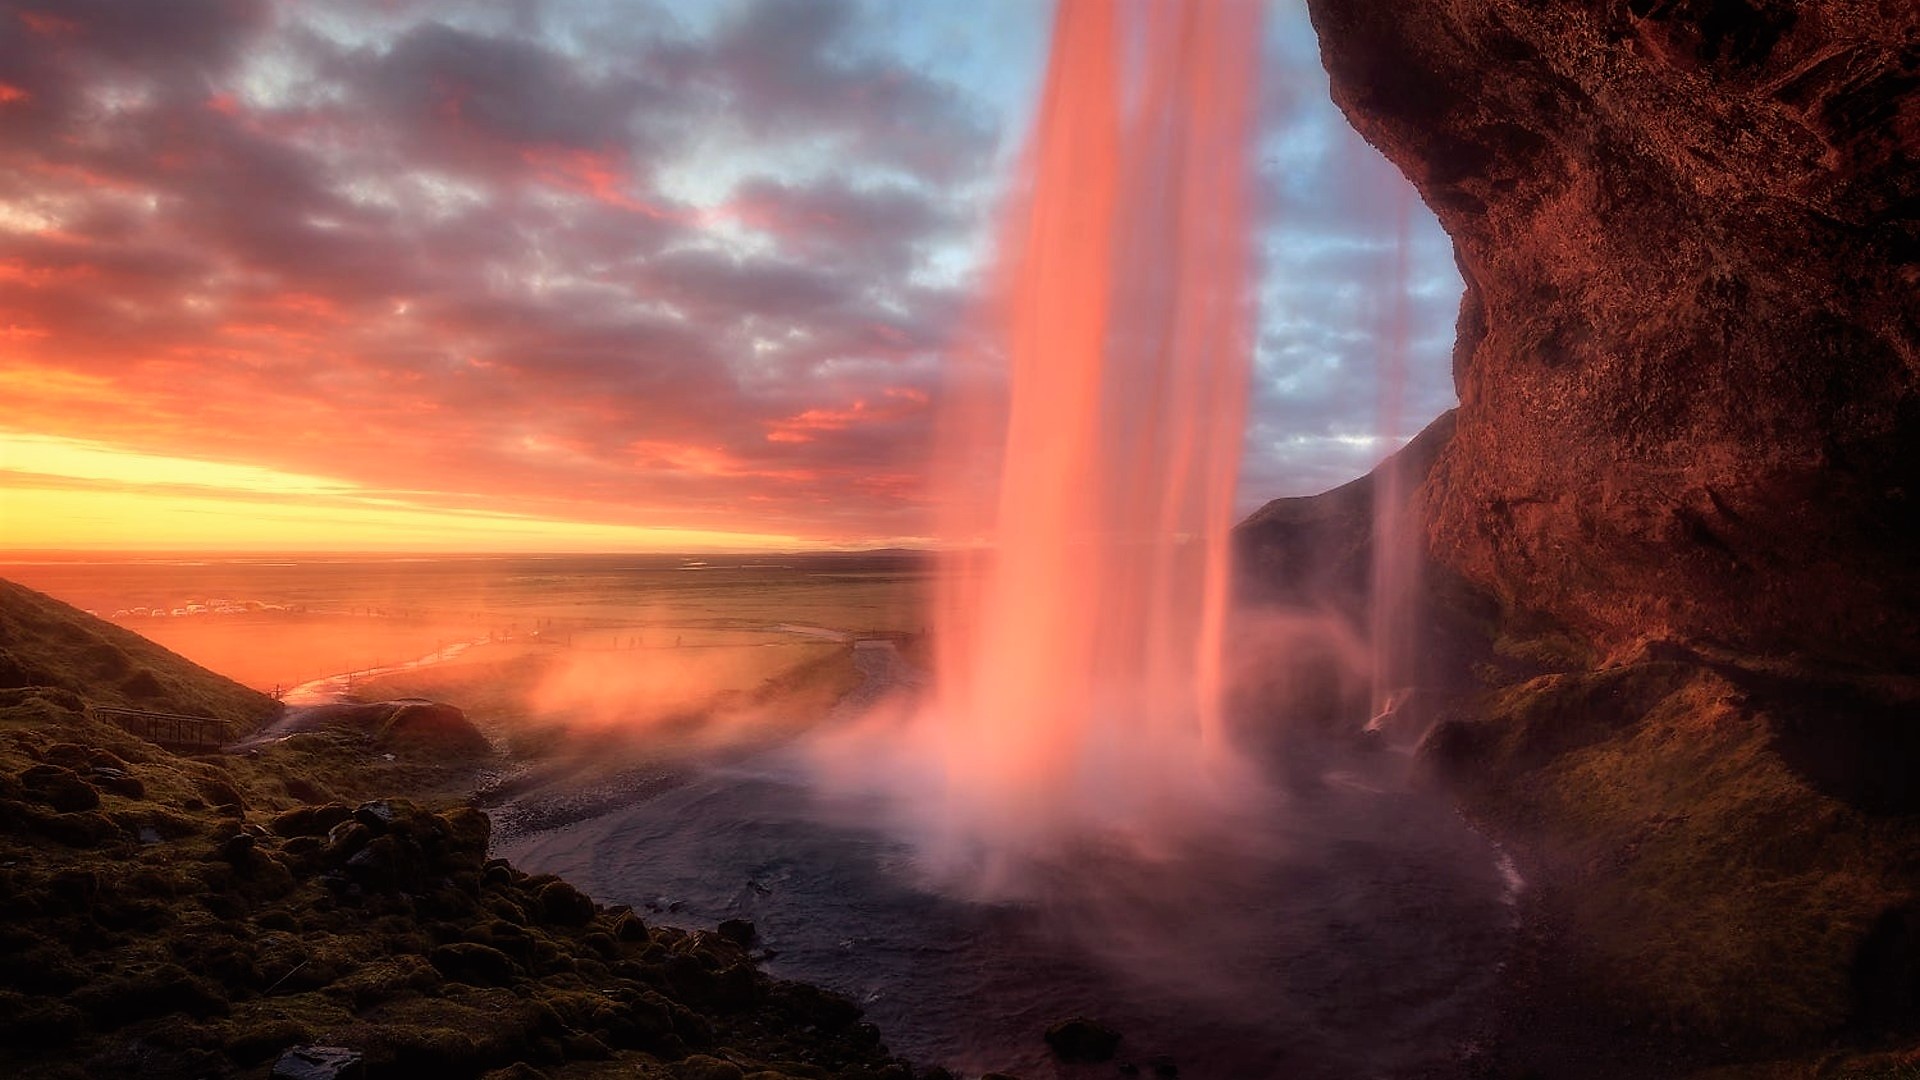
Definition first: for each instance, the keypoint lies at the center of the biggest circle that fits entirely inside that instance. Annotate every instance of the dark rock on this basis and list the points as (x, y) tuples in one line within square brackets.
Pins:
[(1079, 1039), (563, 905), (702, 1067), (644, 1022), (60, 788), (236, 848), (469, 831), (33, 1022), (79, 829), (68, 756), (220, 794), (118, 781), (690, 980), (320, 1063), (519, 1070), (307, 791), (810, 1005), (736, 988), (75, 886), (579, 1046), (346, 838), (257, 1042), (431, 726), (309, 820), (739, 931), (377, 816), (225, 905), (44, 968), (147, 991), (380, 865), (470, 962)]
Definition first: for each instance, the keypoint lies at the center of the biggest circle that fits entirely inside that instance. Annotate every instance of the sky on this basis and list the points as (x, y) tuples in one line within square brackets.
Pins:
[(566, 275)]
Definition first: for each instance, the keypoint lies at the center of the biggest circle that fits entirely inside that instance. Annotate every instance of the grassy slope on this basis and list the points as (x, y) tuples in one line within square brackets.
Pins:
[(166, 915), (44, 642), (1718, 885)]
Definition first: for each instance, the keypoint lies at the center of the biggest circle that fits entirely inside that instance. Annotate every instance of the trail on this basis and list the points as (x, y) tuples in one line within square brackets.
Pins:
[(334, 689)]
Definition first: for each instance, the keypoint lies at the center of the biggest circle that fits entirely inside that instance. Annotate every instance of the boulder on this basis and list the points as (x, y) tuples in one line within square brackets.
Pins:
[(562, 904), (319, 1063), (1080, 1040), (60, 788), (471, 962)]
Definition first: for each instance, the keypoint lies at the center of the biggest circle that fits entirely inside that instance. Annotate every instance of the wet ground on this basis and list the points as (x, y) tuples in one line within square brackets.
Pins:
[(1352, 928)]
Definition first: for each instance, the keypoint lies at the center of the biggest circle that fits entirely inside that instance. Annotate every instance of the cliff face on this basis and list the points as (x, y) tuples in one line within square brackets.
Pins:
[(1689, 355)]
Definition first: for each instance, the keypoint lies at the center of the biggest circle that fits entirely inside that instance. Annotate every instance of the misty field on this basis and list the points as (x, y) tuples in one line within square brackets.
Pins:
[(665, 629)]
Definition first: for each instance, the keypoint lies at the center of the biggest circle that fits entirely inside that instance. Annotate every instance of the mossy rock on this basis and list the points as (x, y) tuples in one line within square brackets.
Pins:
[(1710, 885), (702, 1067), (310, 820), (35, 1022), (59, 787), (144, 991), (563, 905), (470, 962)]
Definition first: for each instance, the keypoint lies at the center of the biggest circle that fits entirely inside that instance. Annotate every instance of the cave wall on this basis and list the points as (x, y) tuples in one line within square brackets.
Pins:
[(1689, 355)]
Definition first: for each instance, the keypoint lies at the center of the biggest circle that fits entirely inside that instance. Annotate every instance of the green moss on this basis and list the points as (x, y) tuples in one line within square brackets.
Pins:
[(1711, 889), (201, 914)]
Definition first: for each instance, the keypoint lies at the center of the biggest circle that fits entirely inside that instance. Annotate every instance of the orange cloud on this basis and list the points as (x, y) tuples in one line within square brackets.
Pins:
[(33, 277), (594, 174), (712, 461), (898, 403), (48, 25), (349, 281)]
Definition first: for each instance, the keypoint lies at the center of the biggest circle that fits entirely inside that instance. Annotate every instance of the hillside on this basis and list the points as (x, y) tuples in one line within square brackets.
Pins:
[(46, 643), (327, 897)]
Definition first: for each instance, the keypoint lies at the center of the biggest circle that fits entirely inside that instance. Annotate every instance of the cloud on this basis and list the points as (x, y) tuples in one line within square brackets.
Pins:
[(681, 264)]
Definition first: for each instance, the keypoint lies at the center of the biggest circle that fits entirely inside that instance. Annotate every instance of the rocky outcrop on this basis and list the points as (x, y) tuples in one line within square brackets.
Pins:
[(1316, 551), (1679, 509), (1689, 352), (409, 725), (150, 930)]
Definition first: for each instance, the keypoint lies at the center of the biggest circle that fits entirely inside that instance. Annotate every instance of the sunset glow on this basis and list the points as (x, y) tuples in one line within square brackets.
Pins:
[(362, 276)]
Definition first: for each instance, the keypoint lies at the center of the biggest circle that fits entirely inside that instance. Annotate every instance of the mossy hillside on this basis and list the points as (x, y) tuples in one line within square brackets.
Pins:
[(44, 642), (1713, 887), (166, 916)]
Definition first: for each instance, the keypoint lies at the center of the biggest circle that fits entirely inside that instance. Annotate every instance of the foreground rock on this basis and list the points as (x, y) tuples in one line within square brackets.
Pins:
[(1079, 1039), (406, 725), (165, 915), (142, 939)]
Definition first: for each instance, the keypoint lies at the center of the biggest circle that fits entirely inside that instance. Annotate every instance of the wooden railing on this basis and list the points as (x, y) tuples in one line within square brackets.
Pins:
[(170, 730)]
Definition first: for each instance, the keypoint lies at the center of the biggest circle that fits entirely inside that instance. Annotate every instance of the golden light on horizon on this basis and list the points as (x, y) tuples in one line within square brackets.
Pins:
[(60, 493)]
